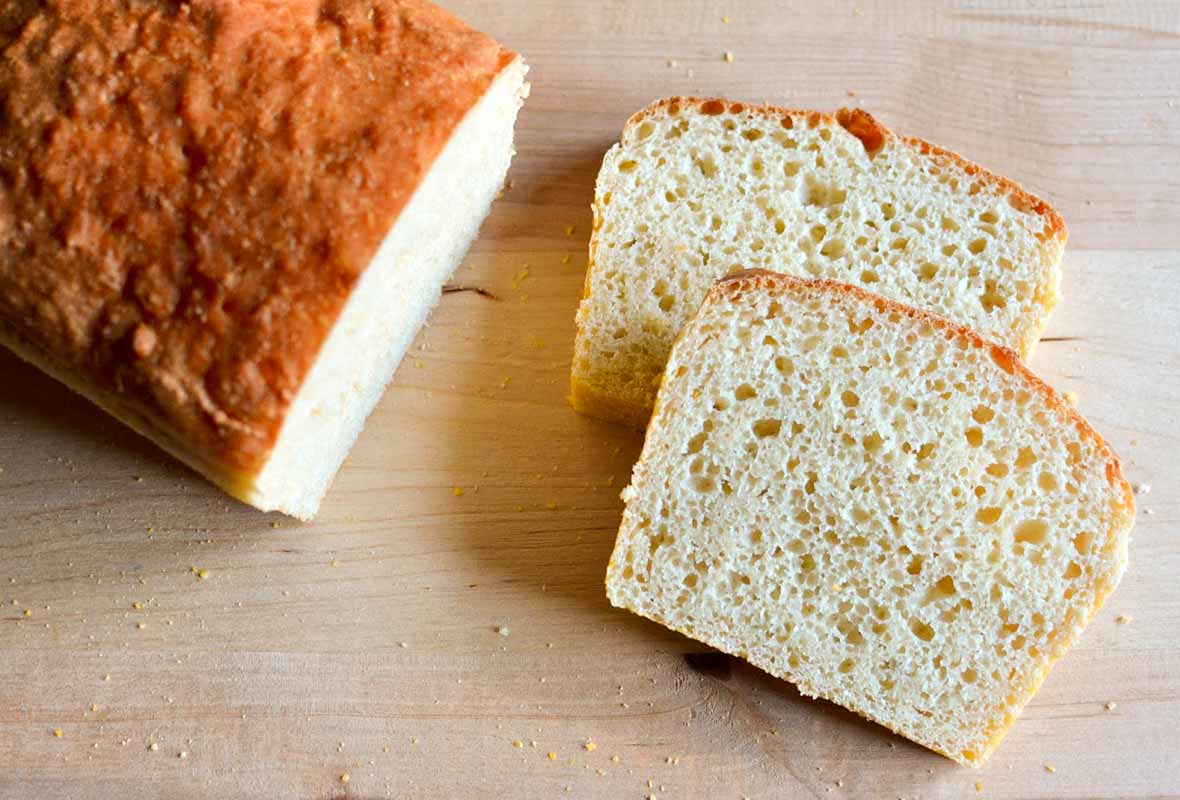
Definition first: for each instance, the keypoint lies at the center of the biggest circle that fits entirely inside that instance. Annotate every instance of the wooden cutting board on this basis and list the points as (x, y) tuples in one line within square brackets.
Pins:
[(441, 630)]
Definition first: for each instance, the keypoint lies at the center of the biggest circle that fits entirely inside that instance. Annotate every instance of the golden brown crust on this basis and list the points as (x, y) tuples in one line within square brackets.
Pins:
[(189, 192), (1006, 358)]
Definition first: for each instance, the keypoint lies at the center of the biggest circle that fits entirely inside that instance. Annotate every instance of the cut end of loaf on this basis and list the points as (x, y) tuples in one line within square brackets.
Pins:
[(390, 303), (699, 188), (872, 502)]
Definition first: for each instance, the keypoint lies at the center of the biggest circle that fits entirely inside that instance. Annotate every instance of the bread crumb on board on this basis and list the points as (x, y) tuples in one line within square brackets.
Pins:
[(728, 56), (344, 778), (1072, 398), (1111, 705), (1122, 619), (1143, 488), (503, 630)]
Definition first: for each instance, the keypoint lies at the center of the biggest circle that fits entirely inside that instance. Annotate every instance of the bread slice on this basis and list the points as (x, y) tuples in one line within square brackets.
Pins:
[(229, 229), (698, 189), (873, 503)]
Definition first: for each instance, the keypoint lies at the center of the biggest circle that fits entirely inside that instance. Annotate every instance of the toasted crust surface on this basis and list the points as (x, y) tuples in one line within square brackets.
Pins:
[(708, 543), (190, 191), (621, 338)]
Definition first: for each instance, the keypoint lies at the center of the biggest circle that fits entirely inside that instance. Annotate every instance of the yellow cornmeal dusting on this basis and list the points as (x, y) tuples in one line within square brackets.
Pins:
[(141, 625), (457, 491), (137, 605), (1072, 398), (57, 732), (344, 778), (1050, 768), (569, 230), (552, 756), (518, 744), (728, 57), (590, 746)]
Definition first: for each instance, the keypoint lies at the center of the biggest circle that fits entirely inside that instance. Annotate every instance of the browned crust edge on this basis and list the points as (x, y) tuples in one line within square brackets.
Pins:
[(873, 135), (238, 485), (1008, 359)]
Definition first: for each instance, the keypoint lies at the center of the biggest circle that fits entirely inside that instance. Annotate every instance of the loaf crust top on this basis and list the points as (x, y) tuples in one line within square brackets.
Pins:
[(189, 191)]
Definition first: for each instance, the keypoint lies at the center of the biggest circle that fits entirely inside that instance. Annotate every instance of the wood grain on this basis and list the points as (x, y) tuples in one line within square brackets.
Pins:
[(367, 643)]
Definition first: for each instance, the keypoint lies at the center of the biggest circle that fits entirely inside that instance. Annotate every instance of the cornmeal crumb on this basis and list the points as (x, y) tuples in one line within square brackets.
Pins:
[(728, 57), (1143, 488), (344, 778), (979, 786), (518, 744), (153, 747), (1072, 398), (28, 612), (457, 491), (503, 630), (141, 625), (566, 258), (552, 756), (137, 605), (1122, 619), (725, 20), (590, 746), (1050, 768), (1111, 706), (57, 732), (569, 230)]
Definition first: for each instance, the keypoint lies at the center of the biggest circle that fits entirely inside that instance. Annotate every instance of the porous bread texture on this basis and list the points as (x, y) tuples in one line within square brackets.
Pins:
[(873, 503), (698, 189)]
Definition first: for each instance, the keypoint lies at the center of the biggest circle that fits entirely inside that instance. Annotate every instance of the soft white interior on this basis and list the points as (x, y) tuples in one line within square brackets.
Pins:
[(391, 302), (872, 508), (688, 197)]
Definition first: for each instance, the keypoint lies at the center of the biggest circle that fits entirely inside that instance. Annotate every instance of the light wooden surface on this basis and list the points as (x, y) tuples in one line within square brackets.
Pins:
[(367, 643)]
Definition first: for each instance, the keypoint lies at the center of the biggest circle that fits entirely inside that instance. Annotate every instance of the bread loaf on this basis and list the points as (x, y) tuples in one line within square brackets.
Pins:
[(873, 503), (698, 189), (224, 222)]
